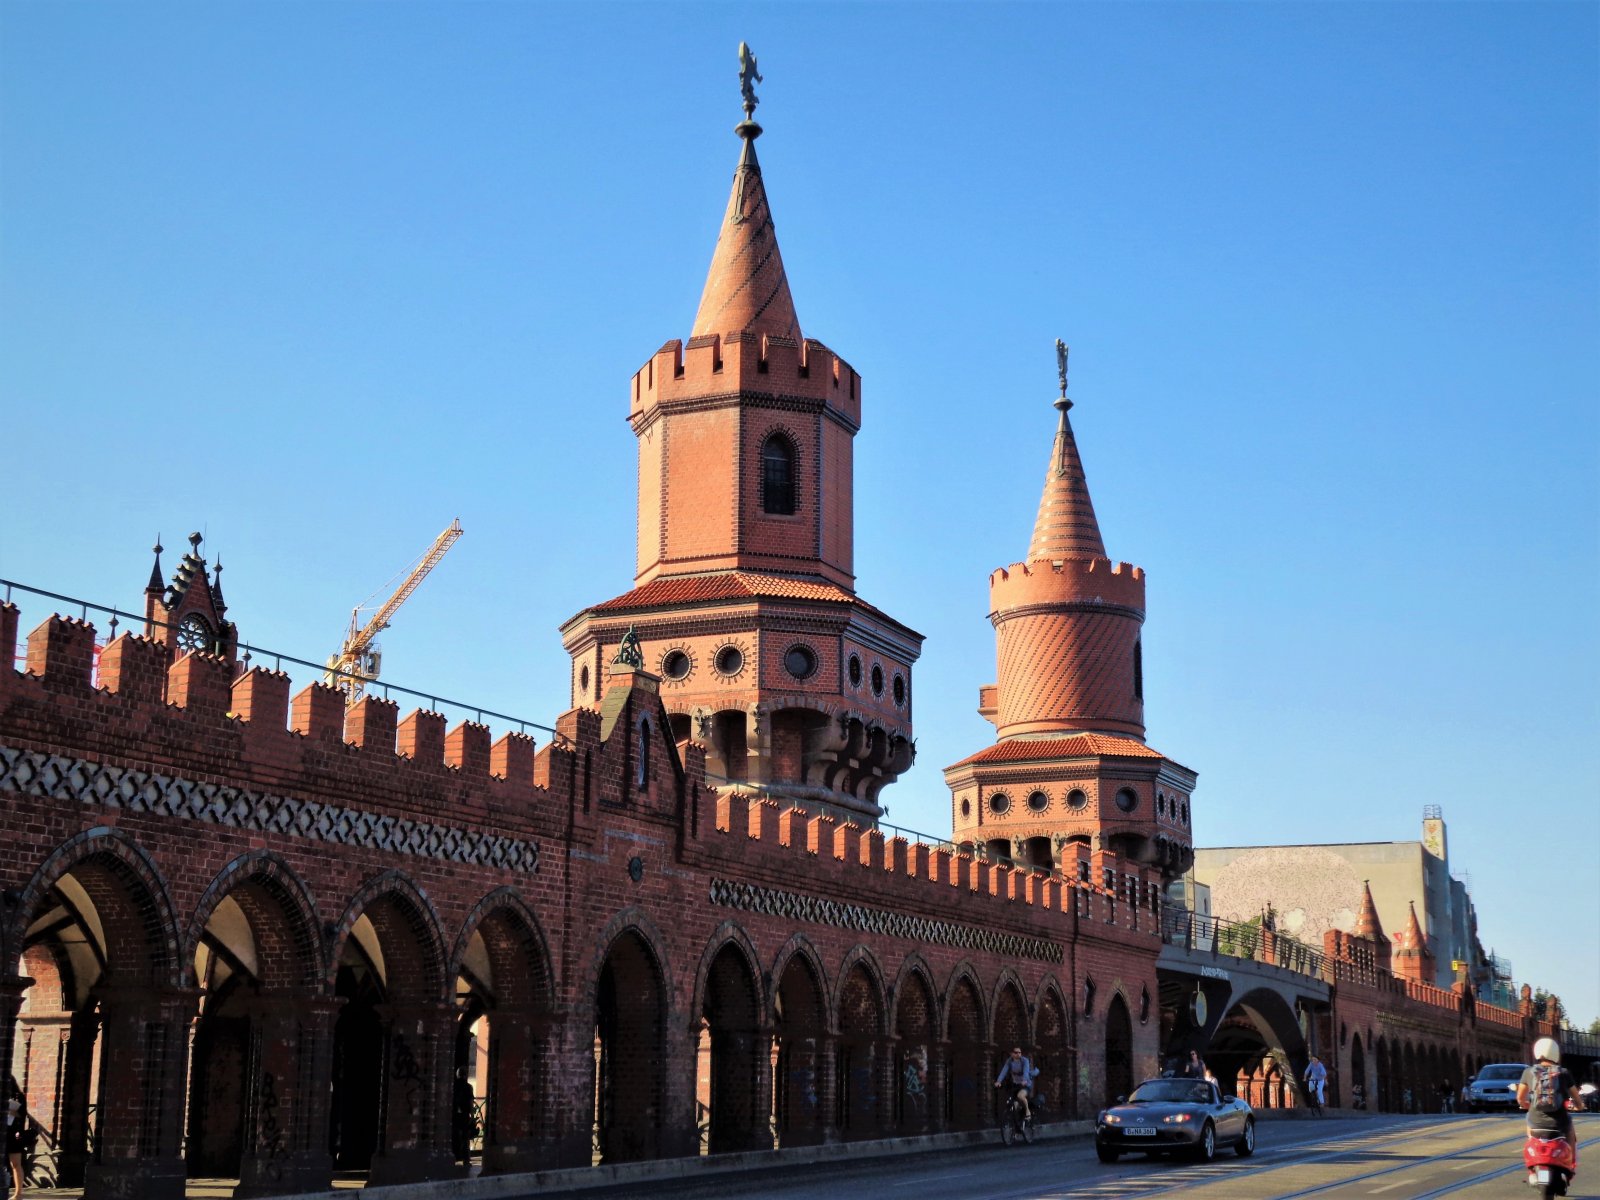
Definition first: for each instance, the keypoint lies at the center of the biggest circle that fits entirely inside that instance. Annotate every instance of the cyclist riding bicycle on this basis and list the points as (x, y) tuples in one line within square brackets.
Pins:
[(1017, 1073)]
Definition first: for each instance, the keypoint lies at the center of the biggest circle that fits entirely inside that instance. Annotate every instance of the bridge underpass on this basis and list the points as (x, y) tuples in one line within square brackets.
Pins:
[(1247, 999)]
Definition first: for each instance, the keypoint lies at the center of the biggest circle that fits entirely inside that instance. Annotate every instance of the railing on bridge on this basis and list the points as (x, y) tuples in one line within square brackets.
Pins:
[(301, 671), (1240, 939)]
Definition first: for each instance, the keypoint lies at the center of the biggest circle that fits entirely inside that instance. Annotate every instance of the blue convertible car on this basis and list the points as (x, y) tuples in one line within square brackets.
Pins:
[(1173, 1116)]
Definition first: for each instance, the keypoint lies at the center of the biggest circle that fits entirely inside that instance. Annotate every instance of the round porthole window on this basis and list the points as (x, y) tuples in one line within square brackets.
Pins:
[(877, 680), (800, 661), (1127, 800), (999, 803), (583, 680), (966, 807), (899, 691), (1038, 801), (854, 669), (729, 660), (1077, 798), (1161, 805), (676, 665), (1185, 812)]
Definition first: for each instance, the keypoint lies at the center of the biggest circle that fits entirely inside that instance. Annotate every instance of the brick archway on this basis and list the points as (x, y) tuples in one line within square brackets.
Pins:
[(860, 1053), (1119, 1079), (393, 1038), (968, 1079), (505, 980), (630, 1034), (916, 1022), (734, 1061), (261, 1043), (1054, 1055), (126, 1038), (800, 1023)]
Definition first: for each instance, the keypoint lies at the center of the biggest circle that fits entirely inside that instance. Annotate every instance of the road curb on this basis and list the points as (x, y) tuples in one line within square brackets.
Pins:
[(501, 1187)]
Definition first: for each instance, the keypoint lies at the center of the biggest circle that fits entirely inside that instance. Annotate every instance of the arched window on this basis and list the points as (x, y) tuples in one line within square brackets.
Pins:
[(777, 476), (1138, 670)]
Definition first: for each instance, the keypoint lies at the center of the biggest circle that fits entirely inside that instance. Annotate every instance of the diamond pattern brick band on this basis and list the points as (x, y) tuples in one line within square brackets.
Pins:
[(774, 902), (56, 777)]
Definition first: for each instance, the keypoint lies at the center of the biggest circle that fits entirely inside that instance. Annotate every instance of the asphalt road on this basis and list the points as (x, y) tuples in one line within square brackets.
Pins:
[(1376, 1158)]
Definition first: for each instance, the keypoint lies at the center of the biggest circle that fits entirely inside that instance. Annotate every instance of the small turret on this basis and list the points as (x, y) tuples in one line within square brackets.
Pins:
[(1412, 958)]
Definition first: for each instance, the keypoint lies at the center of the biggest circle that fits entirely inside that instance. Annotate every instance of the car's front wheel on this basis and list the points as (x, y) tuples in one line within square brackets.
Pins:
[(1207, 1148), (1105, 1153), (1246, 1145)]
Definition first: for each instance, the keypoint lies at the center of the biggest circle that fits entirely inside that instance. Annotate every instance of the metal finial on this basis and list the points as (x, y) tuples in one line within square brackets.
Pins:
[(194, 541), (628, 653), (748, 72), (158, 547), (1062, 402)]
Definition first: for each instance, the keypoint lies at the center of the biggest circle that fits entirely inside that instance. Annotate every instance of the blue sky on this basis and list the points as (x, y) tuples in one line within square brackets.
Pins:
[(319, 278)]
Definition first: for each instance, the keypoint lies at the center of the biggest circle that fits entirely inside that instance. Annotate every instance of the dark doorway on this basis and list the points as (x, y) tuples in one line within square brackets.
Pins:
[(1119, 1049)]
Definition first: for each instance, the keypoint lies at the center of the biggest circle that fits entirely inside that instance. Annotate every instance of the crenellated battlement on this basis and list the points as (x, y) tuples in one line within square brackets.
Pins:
[(711, 365), (1073, 581), (196, 699), (1105, 889)]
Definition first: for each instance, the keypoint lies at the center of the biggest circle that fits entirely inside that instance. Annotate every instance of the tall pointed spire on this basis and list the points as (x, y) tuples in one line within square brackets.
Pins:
[(1367, 924), (746, 289), (1066, 527), (1412, 940)]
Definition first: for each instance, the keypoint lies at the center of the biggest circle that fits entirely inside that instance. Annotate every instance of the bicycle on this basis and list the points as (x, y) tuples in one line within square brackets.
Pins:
[(1017, 1124)]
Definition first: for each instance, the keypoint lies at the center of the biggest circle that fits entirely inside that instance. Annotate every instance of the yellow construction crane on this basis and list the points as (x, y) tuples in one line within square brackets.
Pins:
[(359, 660)]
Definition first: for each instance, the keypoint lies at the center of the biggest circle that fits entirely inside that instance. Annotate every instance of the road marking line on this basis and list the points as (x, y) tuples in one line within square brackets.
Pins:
[(1388, 1187)]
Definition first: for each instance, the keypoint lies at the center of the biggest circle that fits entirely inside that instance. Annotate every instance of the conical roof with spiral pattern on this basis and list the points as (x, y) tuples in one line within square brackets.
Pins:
[(746, 289)]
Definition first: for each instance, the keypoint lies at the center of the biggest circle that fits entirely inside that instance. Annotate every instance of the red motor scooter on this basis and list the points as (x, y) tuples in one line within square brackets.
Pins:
[(1551, 1161)]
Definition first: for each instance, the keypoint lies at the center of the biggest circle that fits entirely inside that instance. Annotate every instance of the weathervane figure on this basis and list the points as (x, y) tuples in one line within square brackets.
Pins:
[(1061, 364), (748, 72)]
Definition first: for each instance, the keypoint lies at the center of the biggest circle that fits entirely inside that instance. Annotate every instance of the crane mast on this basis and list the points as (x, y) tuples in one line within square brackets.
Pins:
[(358, 661)]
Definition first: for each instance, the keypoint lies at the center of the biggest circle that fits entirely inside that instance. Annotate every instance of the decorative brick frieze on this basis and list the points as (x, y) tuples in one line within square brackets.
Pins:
[(56, 777), (815, 910)]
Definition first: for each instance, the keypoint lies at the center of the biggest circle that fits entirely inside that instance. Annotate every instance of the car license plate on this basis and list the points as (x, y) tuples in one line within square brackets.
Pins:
[(1136, 1132), (1542, 1175)]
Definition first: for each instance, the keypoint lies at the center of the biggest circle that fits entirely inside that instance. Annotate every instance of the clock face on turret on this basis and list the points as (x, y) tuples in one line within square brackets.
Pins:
[(195, 635)]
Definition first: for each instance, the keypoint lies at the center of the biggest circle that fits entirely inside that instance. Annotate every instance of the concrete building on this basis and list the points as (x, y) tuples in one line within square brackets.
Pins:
[(1317, 888)]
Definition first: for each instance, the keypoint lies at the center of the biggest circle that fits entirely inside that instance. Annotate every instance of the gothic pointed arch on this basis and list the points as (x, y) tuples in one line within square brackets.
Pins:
[(800, 1023), (917, 1021), (730, 1066), (862, 1069), (1118, 1048), (408, 932), (967, 1099), (729, 935), (140, 927), (516, 945), (281, 914)]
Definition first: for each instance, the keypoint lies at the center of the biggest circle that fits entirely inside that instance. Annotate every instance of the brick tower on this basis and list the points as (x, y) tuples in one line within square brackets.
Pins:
[(744, 601), (1070, 763)]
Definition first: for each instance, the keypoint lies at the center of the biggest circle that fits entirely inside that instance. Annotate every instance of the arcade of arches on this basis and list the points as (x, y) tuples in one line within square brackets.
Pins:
[(255, 1040)]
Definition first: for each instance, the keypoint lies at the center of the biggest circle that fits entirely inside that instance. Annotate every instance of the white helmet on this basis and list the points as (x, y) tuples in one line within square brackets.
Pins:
[(1547, 1050)]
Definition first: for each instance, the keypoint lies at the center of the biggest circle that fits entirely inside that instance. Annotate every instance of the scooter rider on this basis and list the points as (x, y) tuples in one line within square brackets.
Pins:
[(1017, 1074), (1544, 1090)]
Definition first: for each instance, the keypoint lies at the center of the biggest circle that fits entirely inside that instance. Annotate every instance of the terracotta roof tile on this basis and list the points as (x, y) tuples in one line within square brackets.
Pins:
[(1077, 745), (731, 585)]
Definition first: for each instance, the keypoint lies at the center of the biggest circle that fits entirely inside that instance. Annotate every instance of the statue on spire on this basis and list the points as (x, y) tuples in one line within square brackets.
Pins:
[(1061, 364), (748, 72)]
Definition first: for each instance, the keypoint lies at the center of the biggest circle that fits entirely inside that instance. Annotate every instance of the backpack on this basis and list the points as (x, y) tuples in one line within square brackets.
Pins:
[(1545, 1094)]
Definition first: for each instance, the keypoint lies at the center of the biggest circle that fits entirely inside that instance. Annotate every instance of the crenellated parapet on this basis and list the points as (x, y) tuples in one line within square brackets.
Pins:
[(189, 712), (715, 366), (1095, 583), (1067, 647)]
